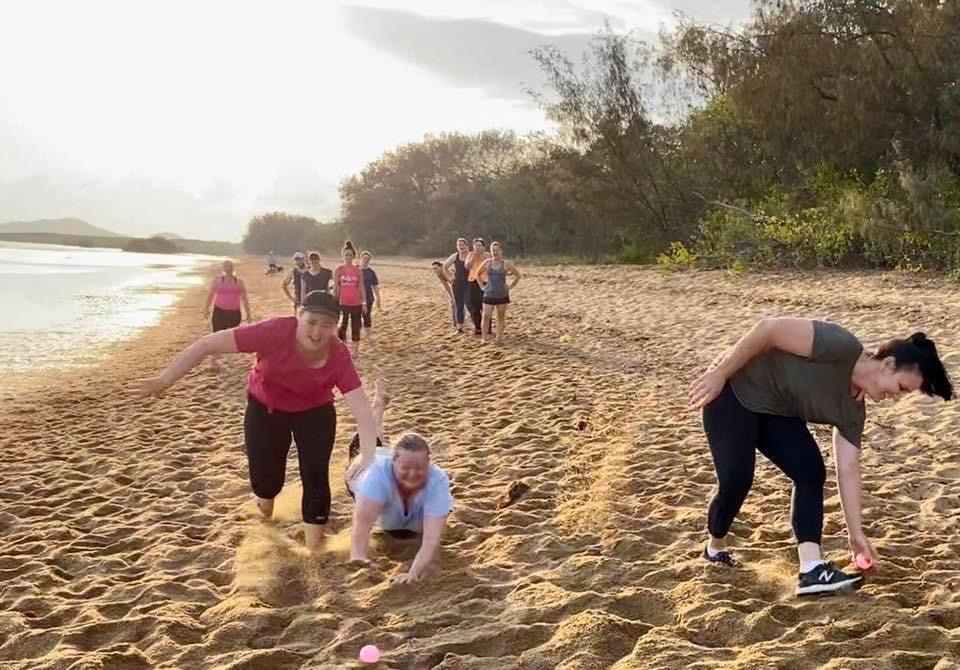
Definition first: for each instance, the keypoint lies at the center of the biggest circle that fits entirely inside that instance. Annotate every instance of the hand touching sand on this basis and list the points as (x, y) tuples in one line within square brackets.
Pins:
[(152, 386)]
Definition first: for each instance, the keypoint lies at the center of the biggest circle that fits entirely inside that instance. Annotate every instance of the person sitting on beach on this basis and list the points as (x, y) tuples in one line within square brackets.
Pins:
[(403, 493), (445, 282), (760, 395), (299, 362)]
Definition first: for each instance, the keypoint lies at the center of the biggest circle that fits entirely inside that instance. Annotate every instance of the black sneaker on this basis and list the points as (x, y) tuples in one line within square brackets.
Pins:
[(826, 579), (722, 558)]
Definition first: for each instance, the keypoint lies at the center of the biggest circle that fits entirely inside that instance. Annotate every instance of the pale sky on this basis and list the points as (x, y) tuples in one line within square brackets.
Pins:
[(190, 117)]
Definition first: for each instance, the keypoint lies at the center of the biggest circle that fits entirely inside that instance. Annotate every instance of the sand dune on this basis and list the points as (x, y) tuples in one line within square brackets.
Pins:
[(127, 538)]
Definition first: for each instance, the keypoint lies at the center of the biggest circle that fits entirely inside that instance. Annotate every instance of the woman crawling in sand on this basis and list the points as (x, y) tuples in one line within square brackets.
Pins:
[(300, 360), (761, 394), (402, 492)]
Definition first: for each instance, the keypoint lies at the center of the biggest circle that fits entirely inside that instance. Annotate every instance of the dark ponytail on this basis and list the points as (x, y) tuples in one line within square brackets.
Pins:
[(348, 246), (920, 353)]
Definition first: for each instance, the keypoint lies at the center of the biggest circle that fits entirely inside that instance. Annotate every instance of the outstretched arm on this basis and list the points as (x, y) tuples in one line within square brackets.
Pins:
[(847, 459), (221, 342), (287, 281), (246, 301), (433, 527), (359, 405), (365, 514), (212, 292)]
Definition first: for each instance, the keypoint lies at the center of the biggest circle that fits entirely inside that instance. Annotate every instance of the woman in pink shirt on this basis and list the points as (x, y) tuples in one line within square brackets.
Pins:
[(349, 290), (226, 293), (290, 392)]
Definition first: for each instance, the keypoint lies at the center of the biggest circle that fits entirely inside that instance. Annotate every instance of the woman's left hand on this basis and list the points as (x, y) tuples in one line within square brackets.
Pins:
[(859, 544), (405, 578), (357, 468)]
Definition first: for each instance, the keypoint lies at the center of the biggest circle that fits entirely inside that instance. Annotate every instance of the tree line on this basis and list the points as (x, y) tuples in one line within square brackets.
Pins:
[(820, 133)]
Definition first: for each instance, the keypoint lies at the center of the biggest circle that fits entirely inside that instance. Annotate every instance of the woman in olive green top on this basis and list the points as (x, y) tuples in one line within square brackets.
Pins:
[(760, 395)]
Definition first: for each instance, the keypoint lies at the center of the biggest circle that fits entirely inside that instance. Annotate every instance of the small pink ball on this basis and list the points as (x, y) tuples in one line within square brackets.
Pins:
[(864, 562), (369, 654)]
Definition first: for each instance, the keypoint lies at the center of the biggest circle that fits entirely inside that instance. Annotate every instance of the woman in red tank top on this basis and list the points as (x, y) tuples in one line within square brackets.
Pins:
[(349, 291)]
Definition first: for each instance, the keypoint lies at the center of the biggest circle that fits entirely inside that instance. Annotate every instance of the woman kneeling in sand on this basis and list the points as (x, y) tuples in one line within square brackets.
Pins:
[(290, 391), (402, 492), (760, 396)]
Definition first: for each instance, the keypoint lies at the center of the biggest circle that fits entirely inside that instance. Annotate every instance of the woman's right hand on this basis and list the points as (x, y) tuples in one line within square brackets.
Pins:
[(153, 386), (859, 544), (706, 389)]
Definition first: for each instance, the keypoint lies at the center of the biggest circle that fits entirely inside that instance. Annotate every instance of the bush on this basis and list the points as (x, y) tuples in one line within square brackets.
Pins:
[(152, 245)]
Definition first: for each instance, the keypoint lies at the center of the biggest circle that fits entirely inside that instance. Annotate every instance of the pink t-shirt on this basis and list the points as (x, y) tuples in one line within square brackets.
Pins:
[(348, 278), (281, 379), (227, 294)]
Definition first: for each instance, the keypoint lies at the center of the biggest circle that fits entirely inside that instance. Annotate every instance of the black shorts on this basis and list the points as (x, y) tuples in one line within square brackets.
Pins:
[(224, 319), (505, 300)]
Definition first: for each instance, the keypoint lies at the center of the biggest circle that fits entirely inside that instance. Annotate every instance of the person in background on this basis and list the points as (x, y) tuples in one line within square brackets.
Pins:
[(295, 278), (445, 282), (372, 285), (475, 278), (349, 291), (315, 277), (496, 291), (461, 284)]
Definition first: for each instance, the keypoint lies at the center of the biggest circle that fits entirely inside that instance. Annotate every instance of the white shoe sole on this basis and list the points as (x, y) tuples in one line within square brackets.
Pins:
[(848, 586)]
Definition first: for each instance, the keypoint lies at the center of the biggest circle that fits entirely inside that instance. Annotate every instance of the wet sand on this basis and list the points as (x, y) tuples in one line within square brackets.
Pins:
[(128, 538)]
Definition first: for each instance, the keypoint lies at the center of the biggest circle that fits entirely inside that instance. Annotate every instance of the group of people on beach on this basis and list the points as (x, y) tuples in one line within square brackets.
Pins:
[(758, 396), (476, 281)]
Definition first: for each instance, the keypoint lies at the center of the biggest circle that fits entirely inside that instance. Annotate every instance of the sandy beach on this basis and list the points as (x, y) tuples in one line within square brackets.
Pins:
[(128, 538)]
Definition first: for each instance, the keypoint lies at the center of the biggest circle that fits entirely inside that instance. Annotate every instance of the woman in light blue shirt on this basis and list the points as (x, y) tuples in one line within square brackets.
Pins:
[(402, 491)]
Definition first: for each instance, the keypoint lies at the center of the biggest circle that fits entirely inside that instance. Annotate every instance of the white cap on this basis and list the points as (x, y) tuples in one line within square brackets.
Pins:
[(298, 255)]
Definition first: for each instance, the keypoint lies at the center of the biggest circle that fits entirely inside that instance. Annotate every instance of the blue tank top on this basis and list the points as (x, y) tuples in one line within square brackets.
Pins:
[(496, 281)]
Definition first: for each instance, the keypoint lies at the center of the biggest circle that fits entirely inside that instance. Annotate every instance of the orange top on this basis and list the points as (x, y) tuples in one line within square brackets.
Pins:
[(474, 265)]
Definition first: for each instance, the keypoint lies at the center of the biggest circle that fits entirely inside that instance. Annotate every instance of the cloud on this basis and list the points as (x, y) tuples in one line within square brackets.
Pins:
[(469, 53)]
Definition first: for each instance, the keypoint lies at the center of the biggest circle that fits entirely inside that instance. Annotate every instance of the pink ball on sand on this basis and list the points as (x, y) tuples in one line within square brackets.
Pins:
[(369, 654)]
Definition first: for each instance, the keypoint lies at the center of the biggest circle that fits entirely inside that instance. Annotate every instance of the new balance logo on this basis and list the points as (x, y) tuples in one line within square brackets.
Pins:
[(826, 576)]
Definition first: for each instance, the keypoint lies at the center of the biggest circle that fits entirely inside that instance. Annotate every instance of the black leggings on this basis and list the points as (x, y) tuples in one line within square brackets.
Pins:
[(267, 438), (735, 435), (368, 316), (351, 313), (461, 297), (475, 303), (225, 318)]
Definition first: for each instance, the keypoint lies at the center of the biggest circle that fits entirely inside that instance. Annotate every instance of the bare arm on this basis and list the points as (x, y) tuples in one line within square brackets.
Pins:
[(365, 514), (433, 527), (362, 287), (376, 292), (359, 405), (221, 342), (794, 336), (847, 458), (512, 270), (212, 292), (246, 300), (446, 287), (448, 264), (480, 271), (287, 282), (336, 284)]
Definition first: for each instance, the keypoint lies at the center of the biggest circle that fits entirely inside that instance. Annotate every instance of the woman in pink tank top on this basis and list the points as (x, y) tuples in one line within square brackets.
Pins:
[(349, 290), (227, 292)]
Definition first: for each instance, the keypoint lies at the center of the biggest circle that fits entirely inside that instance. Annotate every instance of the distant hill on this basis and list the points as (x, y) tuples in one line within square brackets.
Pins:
[(170, 236), (57, 227)]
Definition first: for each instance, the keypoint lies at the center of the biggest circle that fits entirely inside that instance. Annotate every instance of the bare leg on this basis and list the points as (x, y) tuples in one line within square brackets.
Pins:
[(313, 536), (501, 322), (380, 401), (265, 505), (487, 319)]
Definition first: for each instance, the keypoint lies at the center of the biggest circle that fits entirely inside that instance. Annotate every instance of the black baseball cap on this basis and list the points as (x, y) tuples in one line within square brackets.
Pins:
[(321, 302)]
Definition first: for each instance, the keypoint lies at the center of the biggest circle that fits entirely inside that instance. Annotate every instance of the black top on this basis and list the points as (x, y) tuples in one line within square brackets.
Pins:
[(459, 271), (316, 282)]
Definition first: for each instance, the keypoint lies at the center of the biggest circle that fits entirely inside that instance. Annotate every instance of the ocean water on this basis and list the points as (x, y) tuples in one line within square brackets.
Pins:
[(61, 305)]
